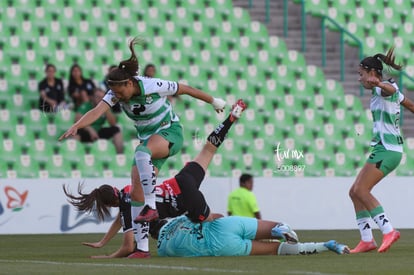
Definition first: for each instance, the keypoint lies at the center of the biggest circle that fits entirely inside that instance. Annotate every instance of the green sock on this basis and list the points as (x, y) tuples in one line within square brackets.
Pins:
[(137, 203), (363, 214), (377, 210)]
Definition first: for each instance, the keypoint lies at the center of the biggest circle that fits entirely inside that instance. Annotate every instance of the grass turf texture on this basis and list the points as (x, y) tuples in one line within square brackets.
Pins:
[(64, 254)]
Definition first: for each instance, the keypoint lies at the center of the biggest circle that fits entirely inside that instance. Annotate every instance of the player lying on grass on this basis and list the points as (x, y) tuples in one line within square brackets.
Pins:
[(229, 236)]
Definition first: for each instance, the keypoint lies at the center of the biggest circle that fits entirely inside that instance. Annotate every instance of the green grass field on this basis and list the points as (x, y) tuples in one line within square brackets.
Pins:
[(64, 254)]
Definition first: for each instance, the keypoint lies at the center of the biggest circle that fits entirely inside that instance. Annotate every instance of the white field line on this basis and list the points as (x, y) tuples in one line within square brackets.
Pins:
[(148, 266)]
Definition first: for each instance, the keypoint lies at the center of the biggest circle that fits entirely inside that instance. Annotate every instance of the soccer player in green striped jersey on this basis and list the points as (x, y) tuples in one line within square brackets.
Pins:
[(387, 143), (144, 101)]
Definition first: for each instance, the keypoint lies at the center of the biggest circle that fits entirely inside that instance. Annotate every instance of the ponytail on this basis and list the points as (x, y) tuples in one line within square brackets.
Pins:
[(375, 62), (100, 199), (128, 68), (389, 59)]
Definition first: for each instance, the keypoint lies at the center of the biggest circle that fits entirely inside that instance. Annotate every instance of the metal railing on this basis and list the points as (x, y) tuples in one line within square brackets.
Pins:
[(267, 9), (403, 76), (342, 32)]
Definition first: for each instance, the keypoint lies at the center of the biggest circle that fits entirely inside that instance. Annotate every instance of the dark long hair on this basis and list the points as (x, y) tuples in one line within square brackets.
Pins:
[(128, 68), (100, 199), (155, 227), (71, 78), (375, 62)]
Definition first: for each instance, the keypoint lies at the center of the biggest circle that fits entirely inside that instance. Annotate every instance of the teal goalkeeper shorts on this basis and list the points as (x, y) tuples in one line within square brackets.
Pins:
[(232, 236), (385, 160)]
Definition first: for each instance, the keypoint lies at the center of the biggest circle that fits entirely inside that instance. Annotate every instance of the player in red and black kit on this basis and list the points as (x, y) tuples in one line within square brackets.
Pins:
[(174, 197), (181, 194), (105, 197)]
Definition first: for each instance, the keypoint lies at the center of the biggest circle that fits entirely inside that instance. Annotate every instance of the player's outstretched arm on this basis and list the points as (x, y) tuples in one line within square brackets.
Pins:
[(217, 103), (86, 120), (115, 226), (126, 248), (408, 104)]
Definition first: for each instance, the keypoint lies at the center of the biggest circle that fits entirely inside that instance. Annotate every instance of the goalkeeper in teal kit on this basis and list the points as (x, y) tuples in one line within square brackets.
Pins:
[(231, 236)]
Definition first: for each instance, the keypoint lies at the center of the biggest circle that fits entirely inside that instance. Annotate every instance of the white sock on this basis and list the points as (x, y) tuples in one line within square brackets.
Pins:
[(143, 233), (383, 223), (301, 248), (365, 229), (147, 176), (140, 229)]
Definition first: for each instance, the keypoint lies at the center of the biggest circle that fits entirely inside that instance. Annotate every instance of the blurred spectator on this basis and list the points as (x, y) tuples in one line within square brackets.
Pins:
[(80, 89), (51, 91), (242, 201), (150, 70), (104, 86), (96, 130)]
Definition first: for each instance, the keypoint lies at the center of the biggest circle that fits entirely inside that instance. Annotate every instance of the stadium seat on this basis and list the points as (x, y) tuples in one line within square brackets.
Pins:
[(40, 151), (316, 7), (90, 167), (103, 150), (312, 119), (342, 166), (334, 91), (63, 120), (26, 167), (8, 120), (57, 167), (257, 32), (312, 167), (239, 17), (21, 136), (35, 121), (220, 166), (72, 150), (9, 151), (120, 166), (314, 77)]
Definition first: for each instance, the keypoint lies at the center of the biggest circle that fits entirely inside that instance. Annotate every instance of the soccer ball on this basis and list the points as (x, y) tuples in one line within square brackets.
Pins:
[(284, 233)]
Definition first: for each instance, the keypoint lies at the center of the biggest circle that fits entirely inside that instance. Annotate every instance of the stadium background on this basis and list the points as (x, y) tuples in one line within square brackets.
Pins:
[(294, 62)]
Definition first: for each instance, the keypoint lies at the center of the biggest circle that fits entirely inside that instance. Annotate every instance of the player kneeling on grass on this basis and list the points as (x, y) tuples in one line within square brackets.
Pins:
[(231, 236), (100, 200)]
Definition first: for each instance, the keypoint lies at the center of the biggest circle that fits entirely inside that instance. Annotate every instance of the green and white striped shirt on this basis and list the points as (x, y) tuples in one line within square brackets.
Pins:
[(151, 111), (386, 115)]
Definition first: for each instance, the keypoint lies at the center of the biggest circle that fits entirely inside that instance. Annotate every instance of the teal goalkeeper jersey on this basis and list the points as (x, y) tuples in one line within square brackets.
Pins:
[(386, 116), (182, 238), (151, 111)]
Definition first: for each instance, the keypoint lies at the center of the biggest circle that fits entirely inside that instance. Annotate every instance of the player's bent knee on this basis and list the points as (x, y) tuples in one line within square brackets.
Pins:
[(141, 151)]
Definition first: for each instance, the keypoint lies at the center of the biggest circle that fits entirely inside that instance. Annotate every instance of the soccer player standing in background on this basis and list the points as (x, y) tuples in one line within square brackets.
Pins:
[(386, 154), (144, 100)]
